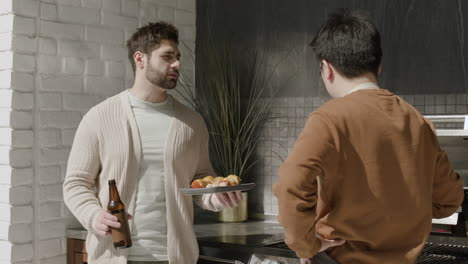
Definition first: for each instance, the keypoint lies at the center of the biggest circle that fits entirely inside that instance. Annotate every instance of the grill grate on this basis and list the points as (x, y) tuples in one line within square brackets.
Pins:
[(431, 254), (443, 253)]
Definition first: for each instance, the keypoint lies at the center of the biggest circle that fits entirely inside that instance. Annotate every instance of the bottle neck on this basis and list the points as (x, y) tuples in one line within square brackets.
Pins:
[(113, 192)]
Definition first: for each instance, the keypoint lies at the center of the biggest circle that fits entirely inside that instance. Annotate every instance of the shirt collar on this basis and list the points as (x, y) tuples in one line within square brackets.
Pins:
[(364, 86)]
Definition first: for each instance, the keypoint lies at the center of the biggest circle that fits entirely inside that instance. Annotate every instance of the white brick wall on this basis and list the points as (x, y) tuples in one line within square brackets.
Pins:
[(52, 248), (5, 78), (16, 103), (26, 7), (15, 177), (62, 30), (6, 7), (11, 253), (24, 44), (21, 81), (78, 15), (6, 20), (6, 60), (24, 26), (16, 138), (21, 120), (59, 58)]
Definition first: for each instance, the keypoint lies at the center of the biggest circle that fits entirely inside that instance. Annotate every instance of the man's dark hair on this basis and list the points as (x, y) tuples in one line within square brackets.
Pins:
[(147, 37), (350, 42)]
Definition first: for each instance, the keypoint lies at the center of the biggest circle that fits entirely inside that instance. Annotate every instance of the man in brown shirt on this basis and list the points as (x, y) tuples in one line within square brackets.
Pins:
[(367, 174)]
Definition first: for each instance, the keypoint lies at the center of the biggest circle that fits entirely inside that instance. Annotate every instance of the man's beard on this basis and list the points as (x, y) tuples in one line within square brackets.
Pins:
[(155, 78)]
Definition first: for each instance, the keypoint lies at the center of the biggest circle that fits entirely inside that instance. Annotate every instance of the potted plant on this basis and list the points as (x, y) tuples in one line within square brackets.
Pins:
[(229, 96)]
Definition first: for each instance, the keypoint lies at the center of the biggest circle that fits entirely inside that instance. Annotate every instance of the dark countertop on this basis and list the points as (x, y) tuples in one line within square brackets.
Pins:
[(240, 241), (252, 233), (76, 233), (246, 233), (232, 240)]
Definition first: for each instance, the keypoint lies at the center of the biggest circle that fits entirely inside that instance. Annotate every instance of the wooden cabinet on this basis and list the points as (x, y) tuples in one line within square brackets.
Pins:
[(76, 251)]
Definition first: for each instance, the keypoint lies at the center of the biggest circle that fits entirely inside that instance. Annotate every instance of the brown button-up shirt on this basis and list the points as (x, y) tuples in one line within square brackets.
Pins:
[(367, 168)]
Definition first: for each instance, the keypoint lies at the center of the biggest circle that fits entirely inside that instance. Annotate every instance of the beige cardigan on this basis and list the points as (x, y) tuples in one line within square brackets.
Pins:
[(107, 146)]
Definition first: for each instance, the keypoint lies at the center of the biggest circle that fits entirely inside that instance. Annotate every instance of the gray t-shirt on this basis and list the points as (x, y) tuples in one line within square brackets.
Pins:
[(149, 233)]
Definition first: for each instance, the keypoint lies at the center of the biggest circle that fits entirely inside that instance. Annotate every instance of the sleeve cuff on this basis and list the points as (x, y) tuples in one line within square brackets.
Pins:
[(211, 202), (92, 219)]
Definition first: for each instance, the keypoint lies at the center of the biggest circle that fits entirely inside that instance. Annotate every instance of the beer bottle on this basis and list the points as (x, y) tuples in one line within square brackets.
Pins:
[(120, 236)]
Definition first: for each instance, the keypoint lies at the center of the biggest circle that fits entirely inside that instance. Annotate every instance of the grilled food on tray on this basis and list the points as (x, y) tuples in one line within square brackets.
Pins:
[(230, 180)]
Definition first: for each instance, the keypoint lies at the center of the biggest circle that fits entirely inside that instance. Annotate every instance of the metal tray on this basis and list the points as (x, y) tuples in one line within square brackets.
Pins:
[(199, 191)]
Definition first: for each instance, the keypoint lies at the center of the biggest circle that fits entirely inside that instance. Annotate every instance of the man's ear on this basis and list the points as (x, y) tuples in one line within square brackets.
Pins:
[(140, 60), (328, 71)]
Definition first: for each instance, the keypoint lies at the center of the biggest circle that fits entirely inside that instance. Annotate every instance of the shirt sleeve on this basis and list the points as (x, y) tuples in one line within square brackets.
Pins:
[(312, 156), (447, 194), (204, 168), (80, 179)]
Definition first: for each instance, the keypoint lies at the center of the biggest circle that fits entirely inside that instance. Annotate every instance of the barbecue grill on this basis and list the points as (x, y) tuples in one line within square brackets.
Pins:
[(431, 254), (440, 253)]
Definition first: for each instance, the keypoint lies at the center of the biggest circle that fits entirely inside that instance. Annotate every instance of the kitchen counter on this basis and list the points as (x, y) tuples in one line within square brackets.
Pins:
[(76, 233), (255, 233), (259, 240), (237, 241), (234, 233)]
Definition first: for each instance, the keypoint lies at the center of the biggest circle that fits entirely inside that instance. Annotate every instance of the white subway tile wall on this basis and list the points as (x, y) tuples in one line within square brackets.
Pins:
[(288, 118)]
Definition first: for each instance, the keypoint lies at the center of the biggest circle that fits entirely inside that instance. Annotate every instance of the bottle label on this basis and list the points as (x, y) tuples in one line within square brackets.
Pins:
[(123, 232), (118, 211)]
